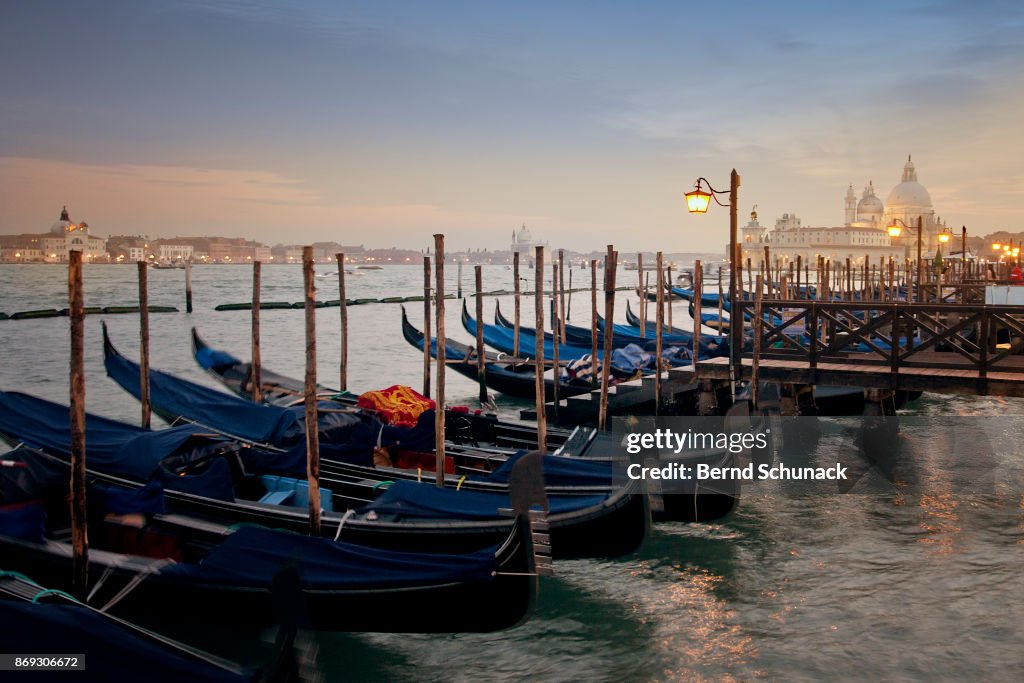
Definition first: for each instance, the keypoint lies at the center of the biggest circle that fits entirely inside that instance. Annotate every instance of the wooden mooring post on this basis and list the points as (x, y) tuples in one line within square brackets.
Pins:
[(79, 531), (538, 358), (312, 413), (659, 326), (144, 343), (561, 302), (593, 323), (439, 400), (698, 291), (188, 286), (556, 325), (642, 291), (256, 377), (343, 323), (481, 366), (426, 326), (517, 294), (610, 266)]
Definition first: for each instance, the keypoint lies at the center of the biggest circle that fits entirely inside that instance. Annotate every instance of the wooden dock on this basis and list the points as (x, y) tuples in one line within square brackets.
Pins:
[(937, 347)]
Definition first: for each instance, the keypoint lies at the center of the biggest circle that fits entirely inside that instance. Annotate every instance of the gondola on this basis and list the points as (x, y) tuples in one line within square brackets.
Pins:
[(514, 379), (581, 337), (276, 389), (502, 339), (486, 468), (634, 321), (145, 562), (233, 487), (562, 474), (34, 618), (677, 348)]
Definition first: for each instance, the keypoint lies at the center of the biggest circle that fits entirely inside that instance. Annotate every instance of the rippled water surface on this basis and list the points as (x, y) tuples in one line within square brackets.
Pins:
[(901, 586)]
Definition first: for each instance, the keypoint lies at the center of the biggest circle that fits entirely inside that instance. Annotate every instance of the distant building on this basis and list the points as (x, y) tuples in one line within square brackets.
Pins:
[(66, 236), (175, 252), (863, 234), (524, 243)]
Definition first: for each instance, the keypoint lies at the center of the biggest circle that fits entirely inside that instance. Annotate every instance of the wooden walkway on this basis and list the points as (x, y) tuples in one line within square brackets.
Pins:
[(944, 378)]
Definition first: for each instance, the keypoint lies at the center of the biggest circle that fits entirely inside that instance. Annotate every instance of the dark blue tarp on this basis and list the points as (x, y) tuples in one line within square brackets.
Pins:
[(562, 471), (417, 500), (211, 359), (117, 500), (174, 456), (113, 652), (252, 554), (344, 436), (169, 394), (25, 521)]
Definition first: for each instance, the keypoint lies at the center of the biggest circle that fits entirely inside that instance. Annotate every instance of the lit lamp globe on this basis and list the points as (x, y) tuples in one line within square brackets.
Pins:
[(895, 230), (698, 201), (943, 237), (996, 246)]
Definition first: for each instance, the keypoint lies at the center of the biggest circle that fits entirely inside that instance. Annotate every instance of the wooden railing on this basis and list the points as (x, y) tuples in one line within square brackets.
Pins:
[(890, 335)]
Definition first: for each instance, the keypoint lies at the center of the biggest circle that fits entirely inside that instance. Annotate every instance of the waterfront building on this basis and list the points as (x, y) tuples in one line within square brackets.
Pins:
[(524, 243), (863, 233), (175, 252), (66, 236)]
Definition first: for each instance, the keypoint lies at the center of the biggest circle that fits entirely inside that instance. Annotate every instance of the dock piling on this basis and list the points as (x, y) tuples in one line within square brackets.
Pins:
[(312, 413), (144, 343), (257, 373), (538, 358), (343, 322), (439, 412), (79, 532)]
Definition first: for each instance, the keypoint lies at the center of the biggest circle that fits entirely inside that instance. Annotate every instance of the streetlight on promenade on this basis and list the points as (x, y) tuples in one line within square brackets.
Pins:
[(894, 231), (698, 201)]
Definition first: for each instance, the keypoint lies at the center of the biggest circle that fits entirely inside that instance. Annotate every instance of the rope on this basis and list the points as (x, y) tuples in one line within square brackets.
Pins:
[(151, 568), (459, 485), (106, 574), (382, 483), (53, 591), (17, 575), (341, 523)]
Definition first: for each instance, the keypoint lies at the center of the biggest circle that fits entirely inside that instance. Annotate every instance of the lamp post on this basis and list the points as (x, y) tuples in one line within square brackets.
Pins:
[(894, 231), (698, 201), (963, 252)]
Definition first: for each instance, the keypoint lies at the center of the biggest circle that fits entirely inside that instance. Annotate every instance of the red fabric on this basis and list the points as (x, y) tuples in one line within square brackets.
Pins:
[(1015, 276), (397, 405)]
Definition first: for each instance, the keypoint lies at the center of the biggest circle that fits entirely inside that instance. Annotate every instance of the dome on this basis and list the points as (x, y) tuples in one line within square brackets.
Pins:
[(909, 194), (61, 226), (870, 204)]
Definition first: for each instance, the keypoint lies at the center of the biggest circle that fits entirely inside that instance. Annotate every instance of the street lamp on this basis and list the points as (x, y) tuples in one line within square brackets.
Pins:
[(698, 201), (920, 223), (895, 230)]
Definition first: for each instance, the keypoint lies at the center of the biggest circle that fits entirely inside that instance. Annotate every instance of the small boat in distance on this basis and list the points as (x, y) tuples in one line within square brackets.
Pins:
[(167, 264)]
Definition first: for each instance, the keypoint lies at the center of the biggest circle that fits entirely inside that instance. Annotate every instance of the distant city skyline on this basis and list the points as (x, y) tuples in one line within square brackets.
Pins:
[(383, 123)]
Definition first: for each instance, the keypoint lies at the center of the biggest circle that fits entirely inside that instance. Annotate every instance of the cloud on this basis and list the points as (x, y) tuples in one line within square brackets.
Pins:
[(162, 201)]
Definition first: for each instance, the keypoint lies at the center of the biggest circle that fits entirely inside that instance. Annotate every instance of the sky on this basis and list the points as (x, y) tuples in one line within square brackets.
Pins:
[(382, 123)]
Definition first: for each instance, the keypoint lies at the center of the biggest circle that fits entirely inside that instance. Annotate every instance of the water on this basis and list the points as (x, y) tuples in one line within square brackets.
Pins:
[(915, 586)]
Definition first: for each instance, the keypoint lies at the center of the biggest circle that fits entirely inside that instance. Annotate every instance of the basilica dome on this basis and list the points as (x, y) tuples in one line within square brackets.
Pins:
[(910, 195), (869, 204), (61, 226)]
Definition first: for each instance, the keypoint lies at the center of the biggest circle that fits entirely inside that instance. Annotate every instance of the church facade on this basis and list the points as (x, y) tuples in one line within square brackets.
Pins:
[(524, 243), (864, 233), (65, 236)]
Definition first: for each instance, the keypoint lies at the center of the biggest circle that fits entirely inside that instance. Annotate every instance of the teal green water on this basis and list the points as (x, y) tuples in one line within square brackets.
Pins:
[(925, 586)]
